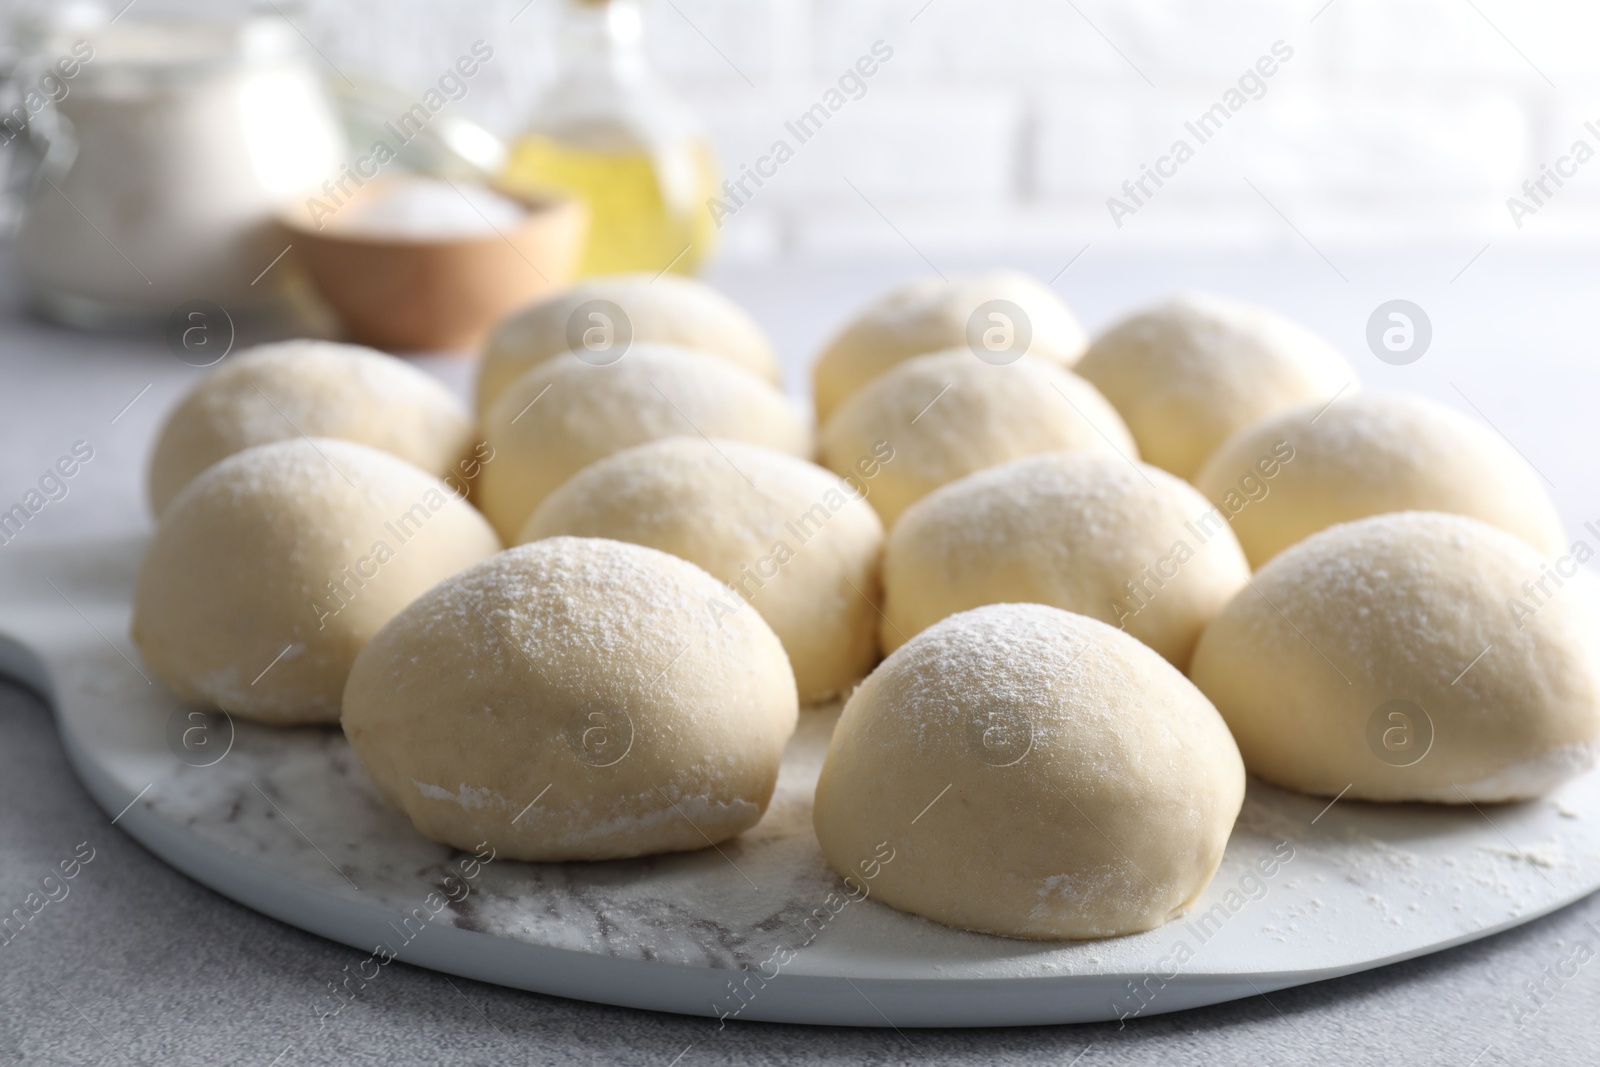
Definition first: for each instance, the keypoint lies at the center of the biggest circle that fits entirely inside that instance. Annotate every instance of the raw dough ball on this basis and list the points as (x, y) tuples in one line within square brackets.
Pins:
[(1189, 373), (796, 542), (1405, 657), (1129, 545), (564, 414), (1368, 454), (270, 571), (932, 314), (574, 700), (669, 310), (1091, 788), (317, 388), (938, 417)]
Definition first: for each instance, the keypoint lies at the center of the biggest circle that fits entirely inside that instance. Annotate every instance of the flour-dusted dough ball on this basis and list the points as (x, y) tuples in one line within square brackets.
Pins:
[(574, 700), (1411, 656), (938, 417), (1192, 371), (1032, 773), (933, 314), (564, 414), (796, 542), (319, 389), (1372, 453), (273, 568), (1129, 545), (669, 309)]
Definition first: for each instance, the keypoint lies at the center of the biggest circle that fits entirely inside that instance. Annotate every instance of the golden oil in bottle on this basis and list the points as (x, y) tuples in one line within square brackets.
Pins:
[(609, 133), (647, 210)]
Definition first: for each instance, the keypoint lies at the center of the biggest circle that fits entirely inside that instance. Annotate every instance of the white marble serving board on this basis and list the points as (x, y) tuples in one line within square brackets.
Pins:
[(285, 822)]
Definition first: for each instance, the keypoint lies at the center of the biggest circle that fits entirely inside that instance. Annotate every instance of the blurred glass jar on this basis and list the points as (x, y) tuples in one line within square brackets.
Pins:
[(608, 132), (160, 163)]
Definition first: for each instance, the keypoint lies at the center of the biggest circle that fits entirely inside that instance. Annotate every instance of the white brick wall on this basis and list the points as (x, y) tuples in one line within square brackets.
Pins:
[(1009, 122)]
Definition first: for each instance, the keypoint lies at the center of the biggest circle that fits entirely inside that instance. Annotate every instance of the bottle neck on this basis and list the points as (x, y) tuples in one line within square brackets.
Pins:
[(602, 39)]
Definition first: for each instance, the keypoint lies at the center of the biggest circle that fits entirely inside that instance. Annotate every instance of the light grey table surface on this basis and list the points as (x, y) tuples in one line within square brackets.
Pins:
[(140, 965)]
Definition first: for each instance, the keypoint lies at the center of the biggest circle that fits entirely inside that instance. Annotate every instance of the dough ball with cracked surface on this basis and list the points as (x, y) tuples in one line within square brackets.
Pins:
[(564, 414), (1190, 372), (934, 314), (573, 700), (1130, 545), (669, 310), (1402, 656), (269, 572), (942, 416), (320, 389), (1091, 787), (1372, 453), (796, 542)]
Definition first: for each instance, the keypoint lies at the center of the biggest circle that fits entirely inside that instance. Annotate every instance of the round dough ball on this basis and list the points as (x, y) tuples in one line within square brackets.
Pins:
[(314, 388), (1368, 454), (938, 417), (1404, 656), (1189, 373), (1035, 773), (574, 700), (933, 314), (564, 414), (669, 309), (273, 568), (1129, 545), (797, 543)]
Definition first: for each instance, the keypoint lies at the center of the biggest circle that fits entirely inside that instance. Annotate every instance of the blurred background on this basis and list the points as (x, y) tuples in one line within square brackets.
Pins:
[(1013, 120), (1008, 123), (1321, 157), (169, 164)]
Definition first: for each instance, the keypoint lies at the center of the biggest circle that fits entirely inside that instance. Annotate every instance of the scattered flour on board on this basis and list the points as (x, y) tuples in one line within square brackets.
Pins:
[(466, 796), (1548, 854)]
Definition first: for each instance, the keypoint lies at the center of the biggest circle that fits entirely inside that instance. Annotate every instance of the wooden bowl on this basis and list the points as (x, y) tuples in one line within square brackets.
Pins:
[(413, 292)]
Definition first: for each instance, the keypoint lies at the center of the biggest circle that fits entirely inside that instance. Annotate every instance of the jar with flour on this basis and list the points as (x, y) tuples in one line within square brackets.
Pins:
[(163, 161)]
